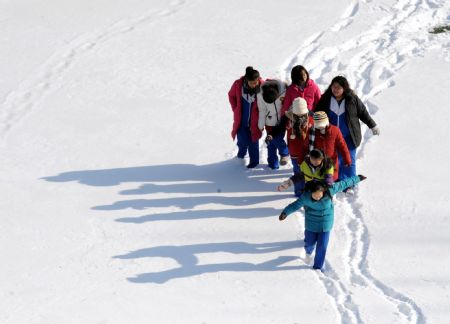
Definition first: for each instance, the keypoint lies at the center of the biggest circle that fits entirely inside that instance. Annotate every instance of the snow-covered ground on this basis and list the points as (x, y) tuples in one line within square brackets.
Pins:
[(121, 202)]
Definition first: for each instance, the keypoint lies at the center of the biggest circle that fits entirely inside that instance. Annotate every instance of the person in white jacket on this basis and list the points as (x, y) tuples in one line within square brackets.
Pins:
[(270, 100)]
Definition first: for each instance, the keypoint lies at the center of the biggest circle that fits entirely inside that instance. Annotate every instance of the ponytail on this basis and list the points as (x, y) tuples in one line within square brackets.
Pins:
[(251, 74)]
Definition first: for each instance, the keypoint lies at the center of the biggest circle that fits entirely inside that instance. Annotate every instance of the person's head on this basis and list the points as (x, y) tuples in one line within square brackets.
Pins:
[(339, 87), (251, 77), (317, 189), (320, 120), (270, 93), (299, 112), (299, 75), (316, 157), (299, 107)]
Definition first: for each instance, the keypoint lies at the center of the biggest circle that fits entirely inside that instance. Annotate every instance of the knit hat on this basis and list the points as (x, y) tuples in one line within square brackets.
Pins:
[(299, 107), (320, 119)]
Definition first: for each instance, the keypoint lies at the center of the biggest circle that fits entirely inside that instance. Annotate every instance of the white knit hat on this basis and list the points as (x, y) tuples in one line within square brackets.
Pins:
[(299, 106)]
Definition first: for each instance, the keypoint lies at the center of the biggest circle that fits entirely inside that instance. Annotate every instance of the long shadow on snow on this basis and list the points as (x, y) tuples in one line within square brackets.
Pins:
[(228, 176), (186, 257), (214, 179), (202, 214)]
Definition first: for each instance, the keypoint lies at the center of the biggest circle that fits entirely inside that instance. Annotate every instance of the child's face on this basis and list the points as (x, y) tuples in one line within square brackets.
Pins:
[(315, 162), (317, 195)]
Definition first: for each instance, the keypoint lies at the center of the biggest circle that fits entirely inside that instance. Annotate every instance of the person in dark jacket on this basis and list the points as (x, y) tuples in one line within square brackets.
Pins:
[(242, 97), (345, 110)]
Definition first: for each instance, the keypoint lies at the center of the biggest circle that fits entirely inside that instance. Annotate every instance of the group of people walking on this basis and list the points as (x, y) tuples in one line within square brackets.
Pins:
[(319, 134)]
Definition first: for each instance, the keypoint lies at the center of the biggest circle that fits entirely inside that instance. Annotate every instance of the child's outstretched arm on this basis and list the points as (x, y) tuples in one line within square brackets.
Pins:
[(289, 209), (344, 184)]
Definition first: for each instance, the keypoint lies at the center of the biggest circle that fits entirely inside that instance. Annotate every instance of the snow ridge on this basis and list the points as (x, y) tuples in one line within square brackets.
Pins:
[(369, 60), (49, 75)]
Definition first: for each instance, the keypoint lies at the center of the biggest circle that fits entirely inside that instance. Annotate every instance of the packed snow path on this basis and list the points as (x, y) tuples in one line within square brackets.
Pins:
[(369, 60)]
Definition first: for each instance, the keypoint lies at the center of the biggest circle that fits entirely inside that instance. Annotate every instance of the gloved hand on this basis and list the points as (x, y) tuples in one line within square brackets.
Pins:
[(361, 177), (375, 130), (282, 216)]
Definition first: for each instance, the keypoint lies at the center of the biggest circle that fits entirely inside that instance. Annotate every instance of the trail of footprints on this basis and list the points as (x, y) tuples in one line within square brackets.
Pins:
[(369, 60)]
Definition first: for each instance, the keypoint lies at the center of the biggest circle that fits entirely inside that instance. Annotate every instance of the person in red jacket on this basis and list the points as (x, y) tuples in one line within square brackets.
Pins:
[(329, 139), (302, 86), (298, 129), (242, 97)]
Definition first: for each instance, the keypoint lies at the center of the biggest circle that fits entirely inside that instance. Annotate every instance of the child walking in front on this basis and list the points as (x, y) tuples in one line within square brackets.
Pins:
[(319, 215)]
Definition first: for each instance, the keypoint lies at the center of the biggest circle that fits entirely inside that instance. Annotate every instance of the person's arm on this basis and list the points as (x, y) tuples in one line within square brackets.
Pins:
[(363, 114), (293, 207), (344, 184), (317, 96), (287, 101), (262, 108), (232, 96), (329, 180)]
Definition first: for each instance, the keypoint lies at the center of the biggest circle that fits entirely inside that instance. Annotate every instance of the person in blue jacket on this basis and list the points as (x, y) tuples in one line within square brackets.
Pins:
[(319, 215)]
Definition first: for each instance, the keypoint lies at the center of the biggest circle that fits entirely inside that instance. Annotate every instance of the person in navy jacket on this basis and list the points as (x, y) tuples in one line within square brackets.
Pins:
[(345, 110)]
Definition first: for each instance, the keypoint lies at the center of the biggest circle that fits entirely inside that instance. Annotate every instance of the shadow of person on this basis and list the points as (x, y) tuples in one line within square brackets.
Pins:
[(223, 183), (186, 257), (226, 176), (202, 214)]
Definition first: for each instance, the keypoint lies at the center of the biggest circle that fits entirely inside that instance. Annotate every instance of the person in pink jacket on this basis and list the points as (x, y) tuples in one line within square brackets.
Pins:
[(301, 86), (242, 97)]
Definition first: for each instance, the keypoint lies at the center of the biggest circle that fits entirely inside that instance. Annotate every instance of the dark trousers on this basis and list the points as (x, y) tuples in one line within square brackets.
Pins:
[(244, 143), (277, 143), (350, 171), (299, 186)]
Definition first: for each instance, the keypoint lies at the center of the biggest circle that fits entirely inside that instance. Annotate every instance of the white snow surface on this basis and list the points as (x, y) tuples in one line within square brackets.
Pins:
[(121, 200)]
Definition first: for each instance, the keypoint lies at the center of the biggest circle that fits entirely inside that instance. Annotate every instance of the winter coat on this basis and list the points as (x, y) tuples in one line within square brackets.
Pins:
[(331, 143), (314, 173), (354, 111), (319, 215), (235, 97), (270, 114), (298, 147), (310, 93)]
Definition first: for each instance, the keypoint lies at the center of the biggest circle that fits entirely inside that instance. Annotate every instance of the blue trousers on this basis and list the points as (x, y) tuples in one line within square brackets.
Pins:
[(299, 186), (350, 171), (321, 239), (244, 143), (277, 143)]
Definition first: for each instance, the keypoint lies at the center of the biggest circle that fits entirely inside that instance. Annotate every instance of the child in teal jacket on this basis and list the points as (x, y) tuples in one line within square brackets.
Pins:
[(319, 215)]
